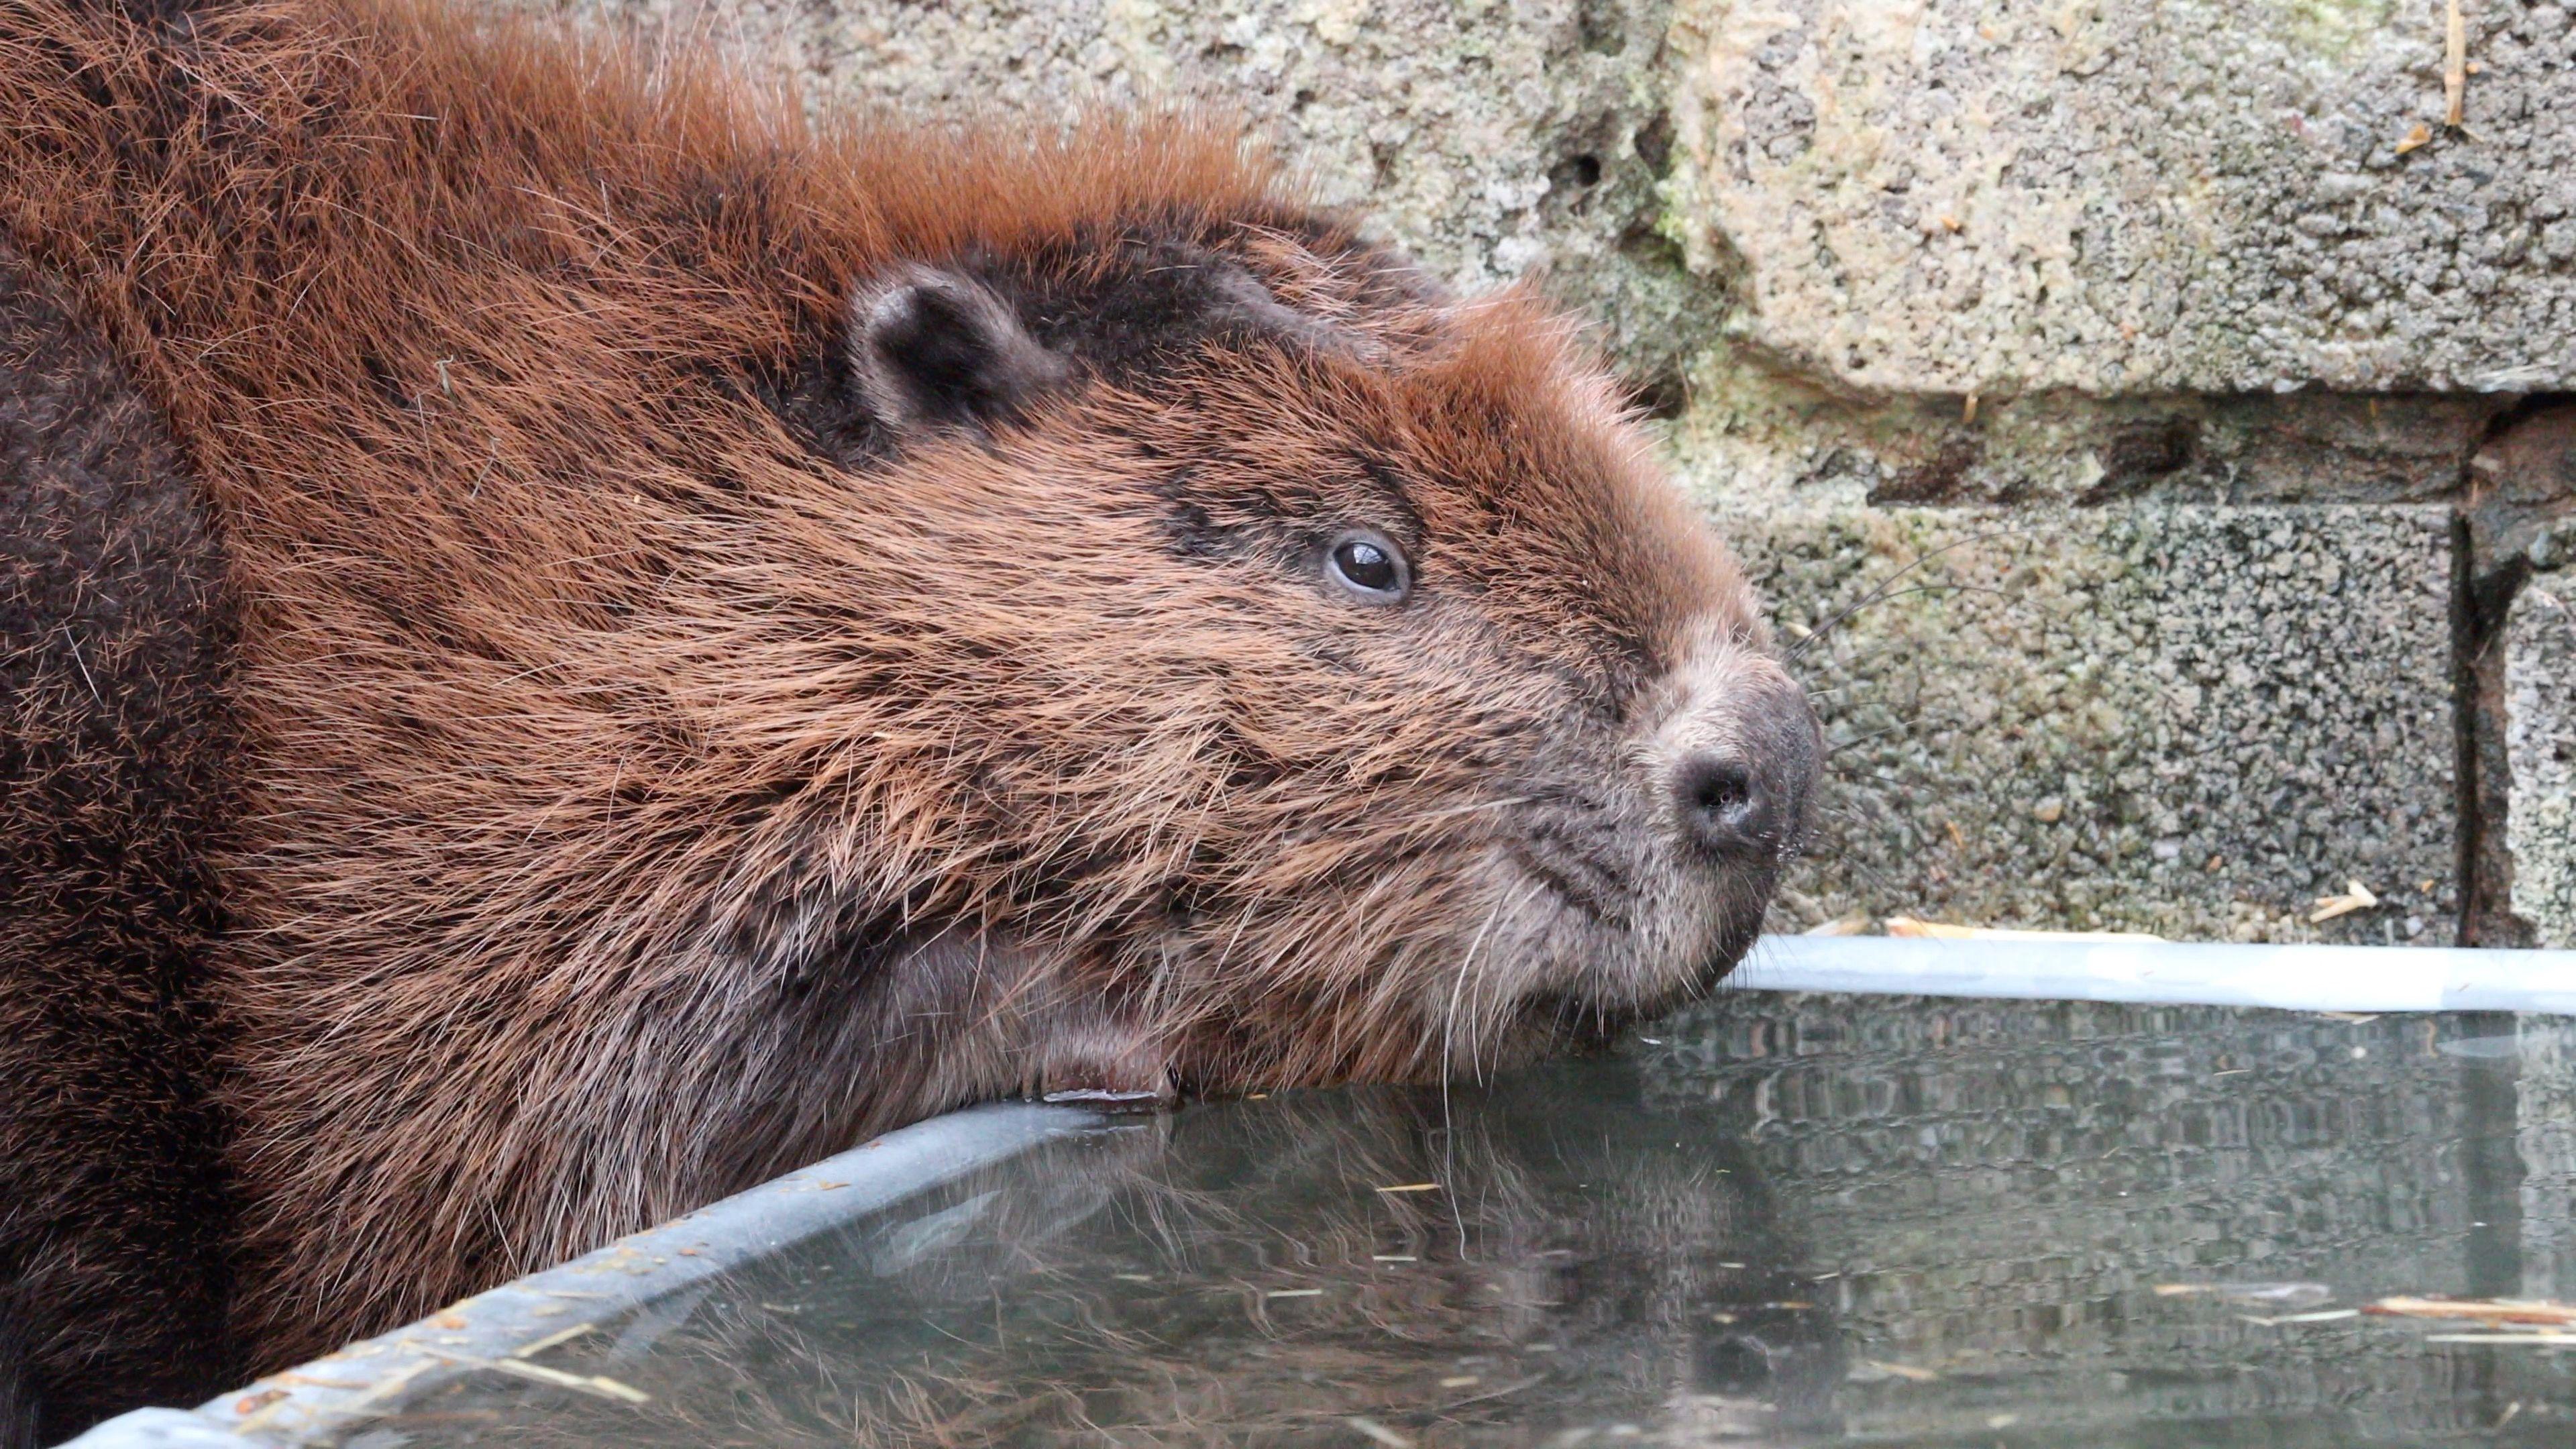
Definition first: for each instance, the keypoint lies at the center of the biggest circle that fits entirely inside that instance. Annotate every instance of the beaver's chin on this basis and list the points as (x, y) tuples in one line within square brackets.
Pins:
[(1601, 1002), (1555, 1023)]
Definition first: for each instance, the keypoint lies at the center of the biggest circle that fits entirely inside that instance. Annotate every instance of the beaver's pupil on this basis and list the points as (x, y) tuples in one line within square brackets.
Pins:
[(1366, 565)]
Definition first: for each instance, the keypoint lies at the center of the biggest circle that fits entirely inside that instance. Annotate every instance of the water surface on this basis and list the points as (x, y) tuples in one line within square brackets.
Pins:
[(1774, 1220)]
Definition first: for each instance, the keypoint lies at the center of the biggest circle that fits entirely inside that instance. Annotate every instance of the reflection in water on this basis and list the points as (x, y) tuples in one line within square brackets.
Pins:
[(1772, 1220)]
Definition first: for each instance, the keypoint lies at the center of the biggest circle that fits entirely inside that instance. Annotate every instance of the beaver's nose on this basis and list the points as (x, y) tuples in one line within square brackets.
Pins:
[(1725, 809), (1745, 800)]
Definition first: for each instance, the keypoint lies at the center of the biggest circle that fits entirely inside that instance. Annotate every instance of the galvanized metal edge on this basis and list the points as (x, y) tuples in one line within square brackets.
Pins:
[(497, 1330), (2289, 978)]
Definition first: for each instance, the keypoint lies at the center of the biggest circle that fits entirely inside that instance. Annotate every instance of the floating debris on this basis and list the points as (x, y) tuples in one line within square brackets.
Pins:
[(1294, 1293), (2269, 1295), (1412, 1187), (1905, 1371), (560, 1336), (596, 1385), (2482, 1310), (2330, 1315)]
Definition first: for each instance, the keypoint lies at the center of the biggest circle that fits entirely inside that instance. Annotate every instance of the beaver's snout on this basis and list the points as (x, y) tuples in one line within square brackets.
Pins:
[(1628, 896), (1685, 854), (1741, 797)]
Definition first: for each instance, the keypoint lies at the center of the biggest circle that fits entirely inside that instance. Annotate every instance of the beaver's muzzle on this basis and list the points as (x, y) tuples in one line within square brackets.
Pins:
[(1740, 783)]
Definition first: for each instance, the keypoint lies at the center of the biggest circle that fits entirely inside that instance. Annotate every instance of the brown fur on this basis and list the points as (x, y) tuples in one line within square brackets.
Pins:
[(659, 754)]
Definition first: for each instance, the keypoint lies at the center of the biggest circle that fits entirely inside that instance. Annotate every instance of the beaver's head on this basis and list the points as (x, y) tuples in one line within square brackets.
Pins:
[(1311, 669)]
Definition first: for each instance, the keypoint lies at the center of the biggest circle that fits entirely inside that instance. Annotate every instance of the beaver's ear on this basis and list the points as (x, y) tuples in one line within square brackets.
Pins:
[(929, 347)]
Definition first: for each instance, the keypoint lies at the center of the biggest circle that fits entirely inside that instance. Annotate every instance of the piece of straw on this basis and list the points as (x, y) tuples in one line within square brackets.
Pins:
[(2455, 66)]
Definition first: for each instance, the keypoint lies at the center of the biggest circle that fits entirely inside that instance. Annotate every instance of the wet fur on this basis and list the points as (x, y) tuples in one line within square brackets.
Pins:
[(643, 730), (113, 1214)]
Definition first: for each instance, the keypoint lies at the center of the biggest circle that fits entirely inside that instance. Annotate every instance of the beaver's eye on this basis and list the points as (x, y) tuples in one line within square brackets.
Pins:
[(1369, 567)]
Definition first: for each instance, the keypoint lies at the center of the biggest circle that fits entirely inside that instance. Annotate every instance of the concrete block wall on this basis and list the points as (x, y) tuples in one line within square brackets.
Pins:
[(2145, 414)]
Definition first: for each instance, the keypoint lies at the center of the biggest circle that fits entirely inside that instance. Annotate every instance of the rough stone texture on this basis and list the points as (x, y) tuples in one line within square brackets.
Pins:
[(2181, 719), (2203, 301), (2540, 742), (1771, 432), (1945, 196)]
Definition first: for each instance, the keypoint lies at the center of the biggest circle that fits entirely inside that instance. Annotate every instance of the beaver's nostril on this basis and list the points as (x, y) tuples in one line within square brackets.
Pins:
[(1724, 808)]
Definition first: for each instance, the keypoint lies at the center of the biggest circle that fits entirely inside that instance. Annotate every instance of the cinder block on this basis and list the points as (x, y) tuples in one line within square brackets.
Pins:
[(2180, 719), (2131, 197), (2540, 750)]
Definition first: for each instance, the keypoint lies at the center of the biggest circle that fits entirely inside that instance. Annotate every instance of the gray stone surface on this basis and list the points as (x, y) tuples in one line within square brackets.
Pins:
[(2540, 744), (1764, 431), (2180, 719), (1940, 195)]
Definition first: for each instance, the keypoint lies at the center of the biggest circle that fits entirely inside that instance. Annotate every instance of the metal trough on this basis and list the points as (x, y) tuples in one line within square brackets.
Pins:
[(501, 1329)]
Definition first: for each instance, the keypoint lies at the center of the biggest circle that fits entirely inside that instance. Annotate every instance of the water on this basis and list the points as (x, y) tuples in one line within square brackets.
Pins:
[(1776, 1220)]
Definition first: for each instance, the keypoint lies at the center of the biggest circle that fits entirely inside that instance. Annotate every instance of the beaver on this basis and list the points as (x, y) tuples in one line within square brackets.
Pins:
[(576, 640)]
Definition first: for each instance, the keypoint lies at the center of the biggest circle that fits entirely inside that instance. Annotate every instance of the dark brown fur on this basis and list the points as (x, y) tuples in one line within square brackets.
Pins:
[(663, 711), (112, 730)]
